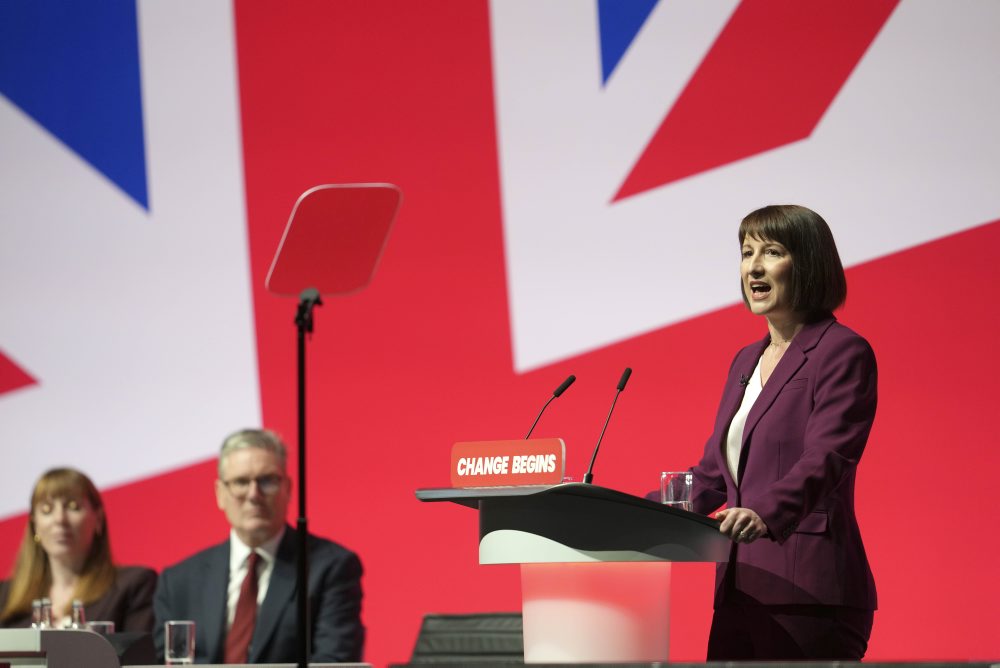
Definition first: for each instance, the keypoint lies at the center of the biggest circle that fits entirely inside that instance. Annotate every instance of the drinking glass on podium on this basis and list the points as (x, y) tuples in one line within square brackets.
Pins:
[(675, 489)]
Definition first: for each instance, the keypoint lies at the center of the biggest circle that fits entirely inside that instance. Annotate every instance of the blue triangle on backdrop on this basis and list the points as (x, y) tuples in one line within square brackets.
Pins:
[(74, 68), (620, 21)]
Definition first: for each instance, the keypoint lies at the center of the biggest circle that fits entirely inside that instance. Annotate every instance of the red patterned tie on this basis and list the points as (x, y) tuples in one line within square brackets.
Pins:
[(238, 638)]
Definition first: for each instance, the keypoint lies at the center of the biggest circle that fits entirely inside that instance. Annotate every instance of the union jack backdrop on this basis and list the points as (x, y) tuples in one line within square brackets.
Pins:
[(573, 175)]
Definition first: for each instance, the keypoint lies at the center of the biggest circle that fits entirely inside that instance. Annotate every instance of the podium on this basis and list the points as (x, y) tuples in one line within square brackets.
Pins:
[(595, 565)]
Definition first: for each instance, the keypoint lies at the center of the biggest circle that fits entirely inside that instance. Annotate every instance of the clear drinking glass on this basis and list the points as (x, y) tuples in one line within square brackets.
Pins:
[(675, 489), (179, 642), (102, 627)]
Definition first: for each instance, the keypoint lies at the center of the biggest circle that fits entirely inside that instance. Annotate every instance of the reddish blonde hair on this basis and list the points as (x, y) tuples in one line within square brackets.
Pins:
[(32, 576)]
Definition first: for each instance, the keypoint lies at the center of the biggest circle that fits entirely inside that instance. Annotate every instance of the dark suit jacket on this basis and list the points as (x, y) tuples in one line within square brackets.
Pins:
[(128, 603), (196, 589), (801, 445)]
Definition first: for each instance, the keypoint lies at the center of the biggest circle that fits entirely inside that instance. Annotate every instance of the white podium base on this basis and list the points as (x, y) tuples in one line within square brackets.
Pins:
[(596, 612)]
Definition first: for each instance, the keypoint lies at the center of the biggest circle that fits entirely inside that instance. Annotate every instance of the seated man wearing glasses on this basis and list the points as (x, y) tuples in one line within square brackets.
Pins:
[(241, 593)]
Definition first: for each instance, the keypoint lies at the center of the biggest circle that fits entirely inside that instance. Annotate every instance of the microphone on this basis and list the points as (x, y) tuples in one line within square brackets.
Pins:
[(744, 380), (562, 388), (555, 393), (588, 478), (624, 379)]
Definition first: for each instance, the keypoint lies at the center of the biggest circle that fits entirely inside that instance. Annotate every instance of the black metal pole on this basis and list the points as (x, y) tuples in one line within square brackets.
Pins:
[(304, 323)]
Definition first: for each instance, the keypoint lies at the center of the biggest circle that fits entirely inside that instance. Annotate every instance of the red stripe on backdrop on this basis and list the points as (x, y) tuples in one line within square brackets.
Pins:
[(932, 457), (767, 81), (12, 376), (397, 92)]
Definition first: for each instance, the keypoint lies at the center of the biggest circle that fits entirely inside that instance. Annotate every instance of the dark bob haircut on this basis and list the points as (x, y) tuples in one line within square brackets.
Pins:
[(818, 282)]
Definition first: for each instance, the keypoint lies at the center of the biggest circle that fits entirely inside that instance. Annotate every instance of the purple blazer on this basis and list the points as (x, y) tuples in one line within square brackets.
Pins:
[(803, 439)]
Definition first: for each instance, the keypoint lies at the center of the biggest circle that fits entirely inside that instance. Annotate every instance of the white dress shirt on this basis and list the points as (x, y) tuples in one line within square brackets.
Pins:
[(239, 553), (734, 438)]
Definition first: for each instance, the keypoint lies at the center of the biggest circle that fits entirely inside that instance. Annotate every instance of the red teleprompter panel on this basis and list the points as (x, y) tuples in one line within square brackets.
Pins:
[(537, 461)]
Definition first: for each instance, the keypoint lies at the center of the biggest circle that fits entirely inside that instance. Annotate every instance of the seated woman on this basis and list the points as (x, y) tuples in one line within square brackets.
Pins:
[(66, 555)]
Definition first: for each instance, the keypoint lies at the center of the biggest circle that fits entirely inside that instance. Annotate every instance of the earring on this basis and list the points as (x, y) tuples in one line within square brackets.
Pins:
[(37, 538)]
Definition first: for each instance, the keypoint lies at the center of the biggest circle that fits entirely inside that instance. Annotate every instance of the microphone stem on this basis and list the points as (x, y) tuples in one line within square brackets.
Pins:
[(539, 416), (589, 476)]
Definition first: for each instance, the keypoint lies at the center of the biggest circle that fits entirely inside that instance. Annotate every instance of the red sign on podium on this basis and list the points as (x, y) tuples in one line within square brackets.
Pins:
[(536, 461)]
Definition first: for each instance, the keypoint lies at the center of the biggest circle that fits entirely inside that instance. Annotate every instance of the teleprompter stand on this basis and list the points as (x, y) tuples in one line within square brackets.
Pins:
[(331, 246)]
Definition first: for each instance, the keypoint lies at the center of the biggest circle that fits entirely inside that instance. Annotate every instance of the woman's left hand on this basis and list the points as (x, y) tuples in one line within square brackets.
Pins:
[(741, 525)]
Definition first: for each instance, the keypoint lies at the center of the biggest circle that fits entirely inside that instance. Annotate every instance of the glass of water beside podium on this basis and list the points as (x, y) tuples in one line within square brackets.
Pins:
[(675, 489)]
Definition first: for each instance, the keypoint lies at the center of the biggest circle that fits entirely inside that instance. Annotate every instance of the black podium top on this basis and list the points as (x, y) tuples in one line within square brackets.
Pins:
[(580, 522)]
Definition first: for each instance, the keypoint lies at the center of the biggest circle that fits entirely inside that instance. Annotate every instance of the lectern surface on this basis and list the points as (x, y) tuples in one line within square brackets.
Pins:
[(471, 496), (577, 522)]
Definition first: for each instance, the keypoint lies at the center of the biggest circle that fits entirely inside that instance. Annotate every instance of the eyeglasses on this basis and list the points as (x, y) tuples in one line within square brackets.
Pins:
[(268, 485)]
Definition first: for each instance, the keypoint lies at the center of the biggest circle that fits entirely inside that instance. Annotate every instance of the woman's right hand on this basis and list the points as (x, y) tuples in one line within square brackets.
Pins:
[(741, 525)]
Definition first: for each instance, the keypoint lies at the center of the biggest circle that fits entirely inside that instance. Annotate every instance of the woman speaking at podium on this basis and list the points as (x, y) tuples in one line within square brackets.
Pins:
[(66, 555), (792, 424)]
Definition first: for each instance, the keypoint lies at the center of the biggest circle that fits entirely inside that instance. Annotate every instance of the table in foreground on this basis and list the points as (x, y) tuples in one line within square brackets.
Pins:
[(68, 648)]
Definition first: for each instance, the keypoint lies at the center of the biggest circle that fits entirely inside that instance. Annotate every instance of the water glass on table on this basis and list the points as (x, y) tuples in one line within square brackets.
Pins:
[(178, 643), (675, 489), (102, 627)]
